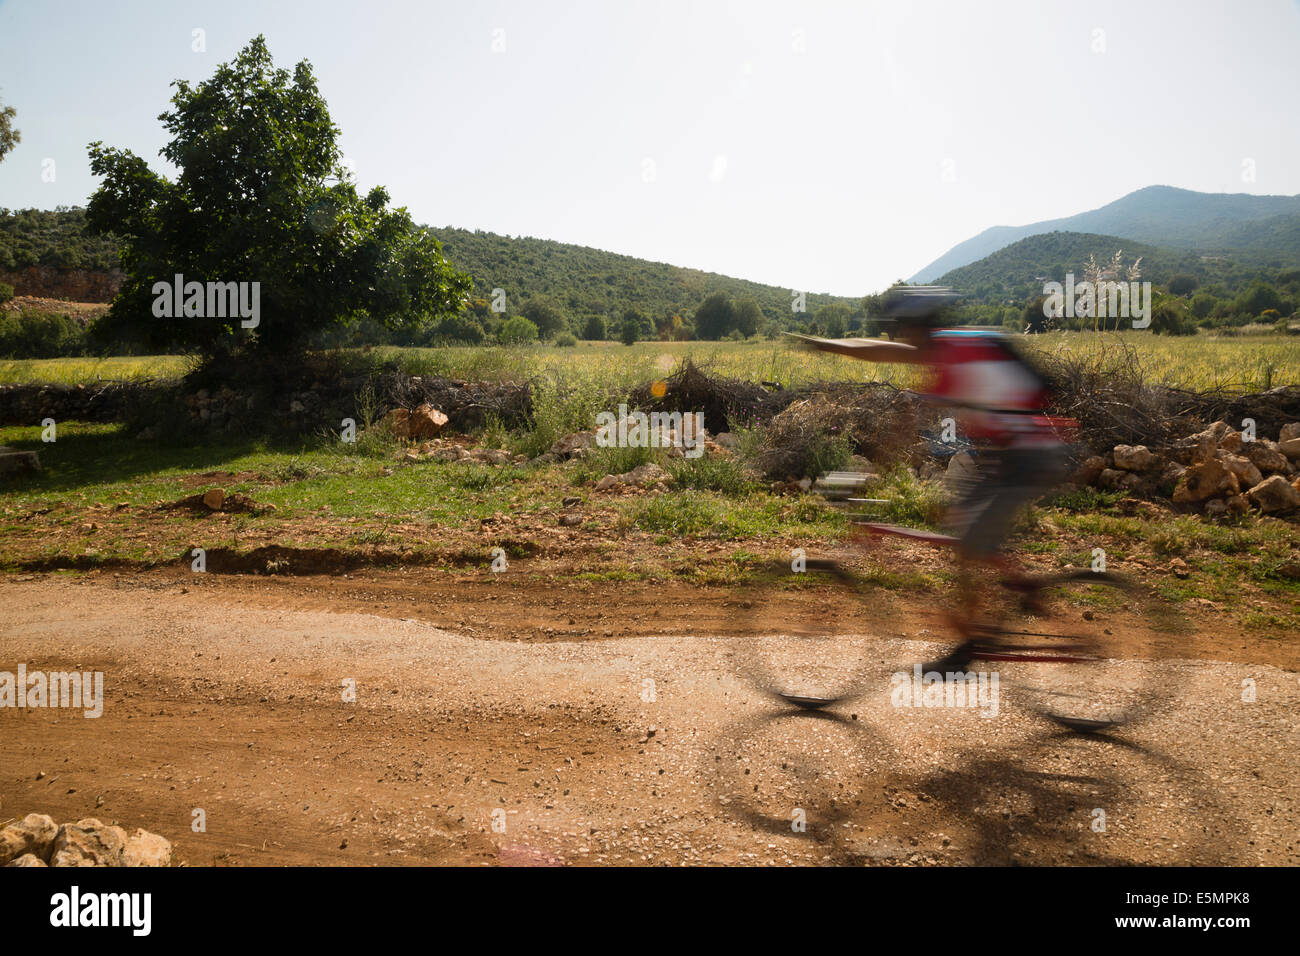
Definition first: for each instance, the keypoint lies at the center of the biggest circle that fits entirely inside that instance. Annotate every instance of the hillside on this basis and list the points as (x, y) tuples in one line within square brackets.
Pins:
[(1159, 216), (48, 253), (585, 281)]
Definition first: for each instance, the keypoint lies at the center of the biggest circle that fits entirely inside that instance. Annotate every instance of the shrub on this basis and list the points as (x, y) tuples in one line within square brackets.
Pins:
[(566, 340), (517, 331), (719, 473)]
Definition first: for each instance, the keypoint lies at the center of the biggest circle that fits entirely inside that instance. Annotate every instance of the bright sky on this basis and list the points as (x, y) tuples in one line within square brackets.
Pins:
[(828, 147)]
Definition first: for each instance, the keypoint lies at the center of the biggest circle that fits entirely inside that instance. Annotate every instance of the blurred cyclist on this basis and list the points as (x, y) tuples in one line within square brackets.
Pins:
[(1001, 404)]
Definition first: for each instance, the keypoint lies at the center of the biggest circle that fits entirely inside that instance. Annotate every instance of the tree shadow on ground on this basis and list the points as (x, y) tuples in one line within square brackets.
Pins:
[(81, 459)]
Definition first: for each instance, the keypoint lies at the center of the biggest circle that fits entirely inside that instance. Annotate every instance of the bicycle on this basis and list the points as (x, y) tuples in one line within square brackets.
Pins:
[(1072, 671)]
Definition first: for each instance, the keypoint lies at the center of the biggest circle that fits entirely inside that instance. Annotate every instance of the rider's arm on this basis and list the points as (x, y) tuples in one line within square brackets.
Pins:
[(868, 350)]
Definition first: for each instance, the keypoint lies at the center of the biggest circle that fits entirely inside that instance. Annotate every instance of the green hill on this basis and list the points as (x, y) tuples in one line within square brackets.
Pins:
[(585, 281)]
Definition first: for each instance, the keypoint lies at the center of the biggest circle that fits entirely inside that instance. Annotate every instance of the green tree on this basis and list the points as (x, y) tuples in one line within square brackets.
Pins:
[(517, 331), (1203, 303), (715, 317), (748, 316), (1257, 298), (834, 320), (544, 313), (262, 196), (630, 327), (594, 329), (9, 137), (1183, 284)]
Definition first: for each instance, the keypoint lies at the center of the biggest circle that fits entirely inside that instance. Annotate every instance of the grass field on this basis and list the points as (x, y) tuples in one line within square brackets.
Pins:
[(100, 496), (1251, 363)]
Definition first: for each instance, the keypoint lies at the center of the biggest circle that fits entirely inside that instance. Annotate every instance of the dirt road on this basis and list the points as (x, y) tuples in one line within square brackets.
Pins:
[(549, 724)]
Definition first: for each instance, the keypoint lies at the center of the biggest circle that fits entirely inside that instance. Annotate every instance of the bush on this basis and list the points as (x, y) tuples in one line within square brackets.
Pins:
[(36, 335), (6, 292), (517, 331), (458, 330), (565, 340)]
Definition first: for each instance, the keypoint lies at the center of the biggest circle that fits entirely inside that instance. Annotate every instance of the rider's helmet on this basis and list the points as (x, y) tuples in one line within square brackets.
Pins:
[(917, 306)]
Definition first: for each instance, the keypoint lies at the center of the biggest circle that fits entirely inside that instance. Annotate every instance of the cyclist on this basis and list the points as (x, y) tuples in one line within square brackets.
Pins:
[(1001, 403)]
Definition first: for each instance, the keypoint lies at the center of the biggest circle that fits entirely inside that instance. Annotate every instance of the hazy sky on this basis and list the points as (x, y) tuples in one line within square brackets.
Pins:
[(829, 147)]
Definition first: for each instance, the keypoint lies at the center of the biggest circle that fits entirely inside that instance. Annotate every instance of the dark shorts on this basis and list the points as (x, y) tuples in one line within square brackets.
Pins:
[(1005, 480)]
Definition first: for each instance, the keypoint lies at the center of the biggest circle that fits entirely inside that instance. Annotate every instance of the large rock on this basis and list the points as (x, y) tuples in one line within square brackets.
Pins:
[(28, 859), (33, 834), (1290, 448), (88, 843), (1247, 474), (423, 421), (1265, 456), (147, 849), (1274, 494), (1289, 431), (1134, 458), (1208, 479)]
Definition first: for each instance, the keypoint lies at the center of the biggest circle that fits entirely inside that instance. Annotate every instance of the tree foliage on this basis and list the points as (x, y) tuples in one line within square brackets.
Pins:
[(9, 137), (262, 196)]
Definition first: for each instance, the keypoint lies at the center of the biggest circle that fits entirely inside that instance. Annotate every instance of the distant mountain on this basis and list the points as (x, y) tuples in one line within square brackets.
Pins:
[(1017, 272), (1157, 215)]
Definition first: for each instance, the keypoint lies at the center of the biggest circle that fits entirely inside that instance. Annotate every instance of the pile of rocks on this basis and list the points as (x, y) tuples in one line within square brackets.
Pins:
[(37, 840), (450, 451), (1217, 470)]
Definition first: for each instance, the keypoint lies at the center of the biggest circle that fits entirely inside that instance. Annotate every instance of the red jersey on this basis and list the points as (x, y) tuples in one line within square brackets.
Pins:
[(1002, 400)]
